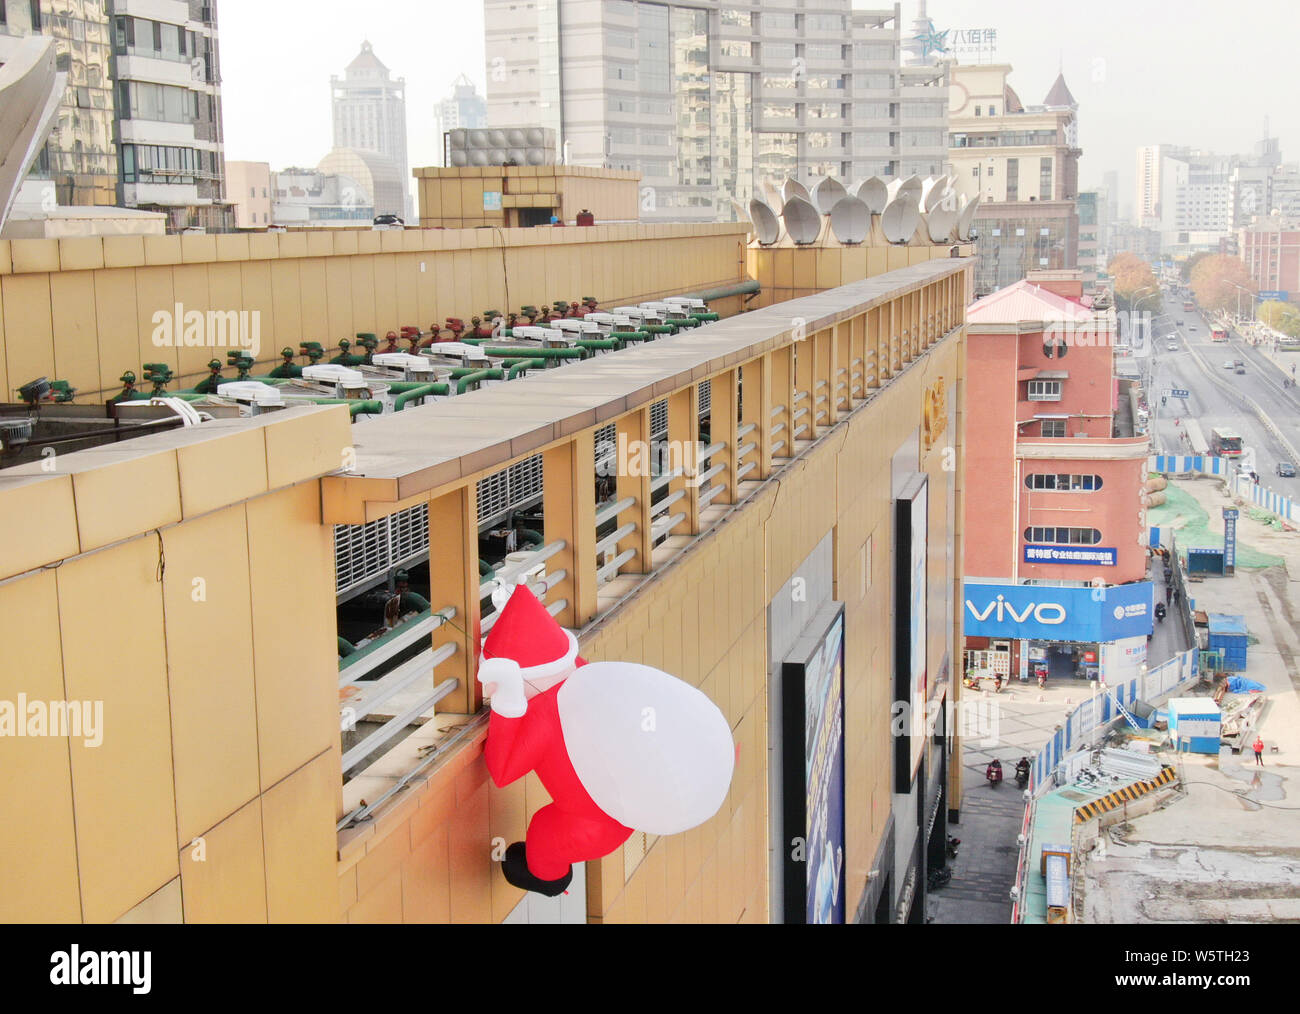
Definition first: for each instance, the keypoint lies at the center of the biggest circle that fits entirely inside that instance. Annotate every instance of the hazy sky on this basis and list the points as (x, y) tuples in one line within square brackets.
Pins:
[(1191, 72)]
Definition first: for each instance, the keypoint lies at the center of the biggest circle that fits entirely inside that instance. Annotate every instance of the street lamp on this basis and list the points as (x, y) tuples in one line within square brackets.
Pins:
[(1242, 289)]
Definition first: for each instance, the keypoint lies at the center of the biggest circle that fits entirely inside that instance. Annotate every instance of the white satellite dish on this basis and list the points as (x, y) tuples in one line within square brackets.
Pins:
[(827, 193), (912, 185), (966, 220), (940, 224), (892, 188), (934, 192), (767, 228), (900, 219), (802, 223), (850, 220), (771, 195), (873, 193), (793, 188)]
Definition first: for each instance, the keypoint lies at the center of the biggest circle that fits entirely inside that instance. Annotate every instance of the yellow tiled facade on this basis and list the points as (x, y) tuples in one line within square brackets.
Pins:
[(82, 310)]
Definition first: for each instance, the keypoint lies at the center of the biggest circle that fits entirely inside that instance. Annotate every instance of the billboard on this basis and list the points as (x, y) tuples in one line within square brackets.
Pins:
[(1044, 613), (1097, 556), (911, 674), (812, 702)]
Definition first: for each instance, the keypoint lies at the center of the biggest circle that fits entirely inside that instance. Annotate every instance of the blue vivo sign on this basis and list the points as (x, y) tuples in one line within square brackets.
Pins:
[(1101, 556), (1041, 612)]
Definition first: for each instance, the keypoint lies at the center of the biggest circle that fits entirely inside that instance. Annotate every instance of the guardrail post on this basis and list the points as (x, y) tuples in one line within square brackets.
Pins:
[(569, 507), (684, 443), (758, 381), (632, 460), (859, 363), (454, 581), (723, 423), (780, 414)]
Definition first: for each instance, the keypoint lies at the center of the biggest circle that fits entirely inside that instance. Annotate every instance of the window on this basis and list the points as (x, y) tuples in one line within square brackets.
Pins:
[(1063, 536), (1044, 390), (1055, 348), (252, 191), (1064, 483), (977, 110), (1013, 179), (1052, 429), (993, 111), (1045, 178), (731, 16)]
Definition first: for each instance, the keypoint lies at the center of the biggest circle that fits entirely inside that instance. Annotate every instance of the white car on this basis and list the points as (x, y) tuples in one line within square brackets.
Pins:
[(1229, 364)]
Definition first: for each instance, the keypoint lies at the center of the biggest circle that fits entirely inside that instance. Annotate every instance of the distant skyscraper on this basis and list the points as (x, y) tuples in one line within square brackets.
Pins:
[(464, 107), (370, 112), (708, 99)]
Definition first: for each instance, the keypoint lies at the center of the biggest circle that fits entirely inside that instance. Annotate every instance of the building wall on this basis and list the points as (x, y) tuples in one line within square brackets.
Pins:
[(82, 310), (194, 615), (790, 272), (703, 618), (991, 452), (452, 198), (250, 192)]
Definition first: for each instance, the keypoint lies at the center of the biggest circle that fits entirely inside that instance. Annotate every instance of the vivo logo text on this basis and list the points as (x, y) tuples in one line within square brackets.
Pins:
[(1048, 613)]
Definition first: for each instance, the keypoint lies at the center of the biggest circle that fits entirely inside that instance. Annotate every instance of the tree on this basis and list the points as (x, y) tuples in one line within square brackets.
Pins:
[(1189, 265), (1215, 279), (1134, 279), (1281, 317)]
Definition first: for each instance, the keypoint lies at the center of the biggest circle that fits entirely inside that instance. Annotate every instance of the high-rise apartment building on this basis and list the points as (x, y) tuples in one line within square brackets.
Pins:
[(140, 124), (370, 113), (709, 99), (167, 74), (1023, 163)]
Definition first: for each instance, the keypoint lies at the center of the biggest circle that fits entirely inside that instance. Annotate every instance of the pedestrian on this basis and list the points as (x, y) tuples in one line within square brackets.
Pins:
[(1259, 751), (1169, 592)]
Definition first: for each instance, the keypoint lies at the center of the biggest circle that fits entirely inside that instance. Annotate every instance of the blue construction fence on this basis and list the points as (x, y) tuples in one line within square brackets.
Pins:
[(1100, 710), (1259, 494)]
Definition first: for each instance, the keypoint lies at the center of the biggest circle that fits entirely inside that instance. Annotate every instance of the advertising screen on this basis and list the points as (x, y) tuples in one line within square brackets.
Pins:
[(911, 672), (813, 730)]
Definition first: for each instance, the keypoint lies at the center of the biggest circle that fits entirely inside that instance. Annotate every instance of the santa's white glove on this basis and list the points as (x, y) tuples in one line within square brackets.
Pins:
[(503, 681)]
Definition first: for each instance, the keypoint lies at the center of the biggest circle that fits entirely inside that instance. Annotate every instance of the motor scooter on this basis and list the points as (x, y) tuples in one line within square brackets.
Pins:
[(1022, 772), (1161, 612), (994, 773)]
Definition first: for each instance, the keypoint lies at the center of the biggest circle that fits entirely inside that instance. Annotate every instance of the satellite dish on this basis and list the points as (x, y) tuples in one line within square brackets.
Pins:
[(934, 191), (793, 188), (912, 185), (767, 228), (900, 219), (802, 223), (850, 220), (771, 195), (941, 224), (873, 193), (892, 188), (827, 193), (966, 220)]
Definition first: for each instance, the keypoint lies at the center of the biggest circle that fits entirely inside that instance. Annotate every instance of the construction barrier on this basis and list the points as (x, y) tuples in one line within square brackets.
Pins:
[(1106, 706), (1127, 794)]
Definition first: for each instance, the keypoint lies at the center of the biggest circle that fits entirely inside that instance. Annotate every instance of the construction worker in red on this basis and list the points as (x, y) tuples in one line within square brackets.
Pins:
[(1259, 750)]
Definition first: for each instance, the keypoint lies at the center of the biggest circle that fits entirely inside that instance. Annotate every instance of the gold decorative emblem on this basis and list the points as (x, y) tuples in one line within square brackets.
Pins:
[(934, 412)]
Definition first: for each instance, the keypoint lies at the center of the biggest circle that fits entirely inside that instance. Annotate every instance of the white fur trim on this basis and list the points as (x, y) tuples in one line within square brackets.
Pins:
[(560, 665)]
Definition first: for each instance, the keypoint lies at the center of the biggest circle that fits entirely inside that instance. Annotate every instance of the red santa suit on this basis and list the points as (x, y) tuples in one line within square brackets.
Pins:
[(618, 747)]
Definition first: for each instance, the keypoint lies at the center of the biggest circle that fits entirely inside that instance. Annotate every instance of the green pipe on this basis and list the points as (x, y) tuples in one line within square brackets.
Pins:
[(346, 648), (423, 391), (744, 288), (706, 317), (632, 336), (355, 407), (532, 536), (508, 351), (411, 601), (471, 341), (594, 344), (485, 568), (402, 386), (688, 322), (659, 328), (288, 371), (523, 366), (360, 653), (477, 377)]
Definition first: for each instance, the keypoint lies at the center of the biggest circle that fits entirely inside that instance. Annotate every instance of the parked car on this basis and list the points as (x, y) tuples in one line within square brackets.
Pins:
[(1241, 369), (1229, 364), (1286, 469), (1192, 328)]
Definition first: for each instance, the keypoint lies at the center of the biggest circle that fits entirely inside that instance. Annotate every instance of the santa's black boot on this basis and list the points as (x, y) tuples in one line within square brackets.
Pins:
[(515, 869)]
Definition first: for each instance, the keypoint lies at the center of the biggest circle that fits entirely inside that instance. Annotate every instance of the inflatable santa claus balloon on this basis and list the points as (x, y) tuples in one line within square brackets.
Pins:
[(620, 747)]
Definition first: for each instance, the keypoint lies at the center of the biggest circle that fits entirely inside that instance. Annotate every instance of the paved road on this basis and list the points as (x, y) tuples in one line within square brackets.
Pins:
[(1218, 402)]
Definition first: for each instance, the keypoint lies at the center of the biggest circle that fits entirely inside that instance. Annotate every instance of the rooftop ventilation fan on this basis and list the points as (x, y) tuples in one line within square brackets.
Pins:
[(802, 223)]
